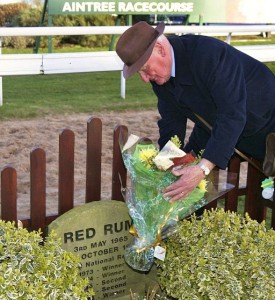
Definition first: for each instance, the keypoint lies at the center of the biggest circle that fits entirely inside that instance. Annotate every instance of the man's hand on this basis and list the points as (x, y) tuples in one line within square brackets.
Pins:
[(190, 177)]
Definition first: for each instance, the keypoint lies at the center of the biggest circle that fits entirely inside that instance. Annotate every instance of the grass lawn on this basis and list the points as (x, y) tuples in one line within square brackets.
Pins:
[(33, 96), (36, 95)]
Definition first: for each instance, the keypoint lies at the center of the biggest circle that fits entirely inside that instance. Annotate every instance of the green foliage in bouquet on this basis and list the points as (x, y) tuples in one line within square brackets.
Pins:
[(152, 214), (221, 256), (148, 182), (31, 269)]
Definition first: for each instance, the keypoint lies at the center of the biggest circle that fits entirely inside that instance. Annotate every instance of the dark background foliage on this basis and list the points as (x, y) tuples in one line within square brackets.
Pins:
[(24, 15)]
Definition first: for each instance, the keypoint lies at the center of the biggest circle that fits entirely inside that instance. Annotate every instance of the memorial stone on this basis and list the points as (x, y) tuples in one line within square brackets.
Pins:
[(98, 233)]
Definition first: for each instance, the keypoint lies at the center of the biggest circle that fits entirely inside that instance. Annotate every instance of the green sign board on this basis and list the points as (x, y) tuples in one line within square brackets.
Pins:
[(210, 11), (120, 7)]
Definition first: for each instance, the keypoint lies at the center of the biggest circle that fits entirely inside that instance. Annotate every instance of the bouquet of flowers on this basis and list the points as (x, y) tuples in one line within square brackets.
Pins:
[(153, 216)]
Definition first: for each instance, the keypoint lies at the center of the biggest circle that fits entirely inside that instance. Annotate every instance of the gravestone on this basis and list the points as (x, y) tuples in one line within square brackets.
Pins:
[(98, 233)]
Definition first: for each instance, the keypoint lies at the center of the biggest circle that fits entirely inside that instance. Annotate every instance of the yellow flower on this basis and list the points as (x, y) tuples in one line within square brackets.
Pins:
[(203, 185), (146, 156), (175, 139)]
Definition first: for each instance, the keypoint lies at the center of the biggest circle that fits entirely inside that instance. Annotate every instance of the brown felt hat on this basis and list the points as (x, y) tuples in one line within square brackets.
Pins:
[(136, 44)]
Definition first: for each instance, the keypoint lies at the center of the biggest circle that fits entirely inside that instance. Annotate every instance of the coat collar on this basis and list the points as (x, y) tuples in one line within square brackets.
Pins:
[(183, 71), (183, 77)]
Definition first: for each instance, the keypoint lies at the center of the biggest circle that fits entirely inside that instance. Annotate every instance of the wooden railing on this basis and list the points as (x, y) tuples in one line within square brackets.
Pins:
[(255, 205), (38, 218)]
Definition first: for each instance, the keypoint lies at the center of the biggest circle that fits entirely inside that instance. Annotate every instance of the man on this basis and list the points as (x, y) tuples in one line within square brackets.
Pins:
[(196, 77)]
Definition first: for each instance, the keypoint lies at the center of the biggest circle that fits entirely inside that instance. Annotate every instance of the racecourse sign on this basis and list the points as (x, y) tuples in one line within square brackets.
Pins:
[(62, 7), (229, 11)]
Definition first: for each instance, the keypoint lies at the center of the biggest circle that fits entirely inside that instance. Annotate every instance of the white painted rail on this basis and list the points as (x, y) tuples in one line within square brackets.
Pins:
[(177, 29), (264, 53), (53, 63), (60, 63)]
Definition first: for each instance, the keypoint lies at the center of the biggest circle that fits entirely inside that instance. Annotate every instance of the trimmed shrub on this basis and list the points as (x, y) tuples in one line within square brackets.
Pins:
[(33, 269), (220, 256)]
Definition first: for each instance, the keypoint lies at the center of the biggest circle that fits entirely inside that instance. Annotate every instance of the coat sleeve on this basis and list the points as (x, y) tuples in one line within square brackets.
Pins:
[(218, 68), (172, 121)]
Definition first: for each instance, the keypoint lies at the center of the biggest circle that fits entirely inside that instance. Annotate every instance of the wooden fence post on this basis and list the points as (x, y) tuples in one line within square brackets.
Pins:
[(254, 204), (231, 198), (119, 172), (66, 171), (9, 194), (38, 189), (93, 162)]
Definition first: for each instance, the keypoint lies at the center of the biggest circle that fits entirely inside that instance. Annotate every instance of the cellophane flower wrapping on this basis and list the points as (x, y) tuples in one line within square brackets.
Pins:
[(153, 216)]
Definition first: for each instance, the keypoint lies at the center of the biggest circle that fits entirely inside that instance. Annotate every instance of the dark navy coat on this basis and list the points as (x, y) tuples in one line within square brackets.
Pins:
[(230, 90)]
